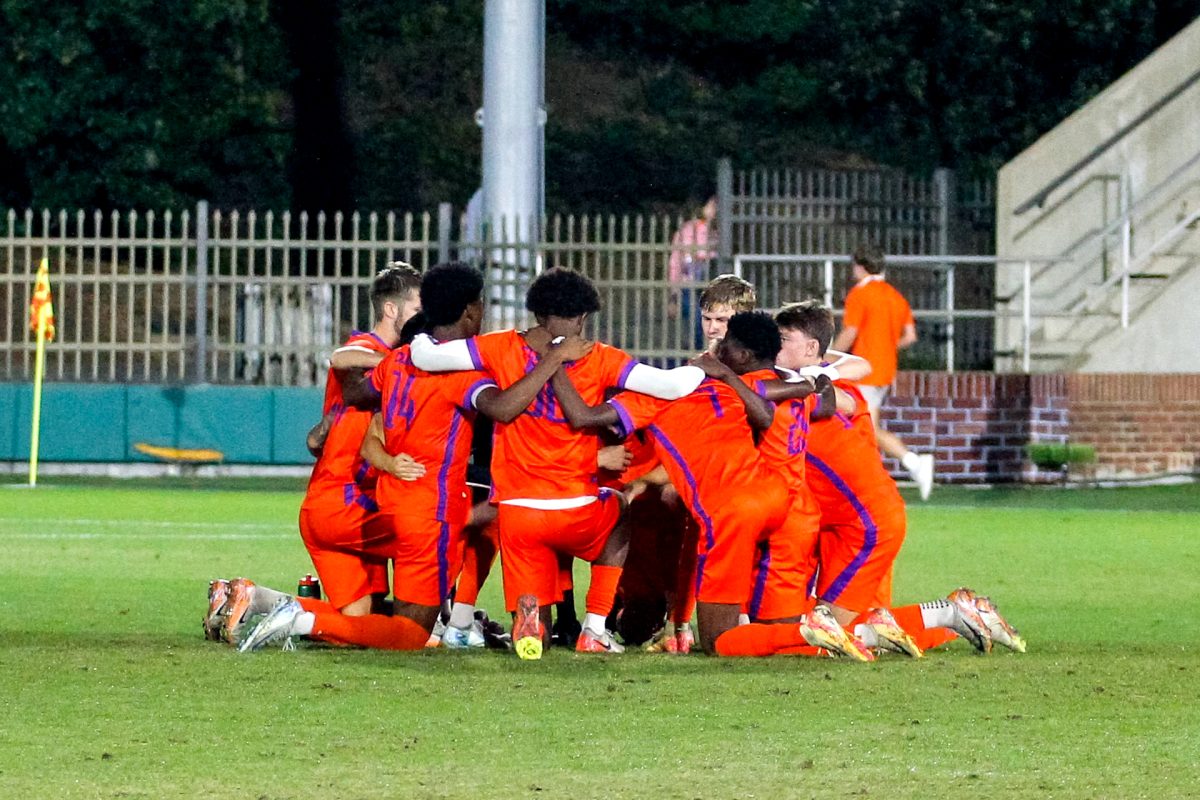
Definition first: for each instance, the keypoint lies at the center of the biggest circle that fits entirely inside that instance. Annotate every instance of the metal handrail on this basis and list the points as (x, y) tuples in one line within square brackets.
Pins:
[(1039, 198)]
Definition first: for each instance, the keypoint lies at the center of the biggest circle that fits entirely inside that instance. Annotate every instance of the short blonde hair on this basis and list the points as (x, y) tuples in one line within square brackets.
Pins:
[(729, 290)]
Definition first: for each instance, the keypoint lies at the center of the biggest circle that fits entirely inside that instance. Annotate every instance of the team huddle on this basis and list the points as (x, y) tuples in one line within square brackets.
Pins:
[(743, 490)]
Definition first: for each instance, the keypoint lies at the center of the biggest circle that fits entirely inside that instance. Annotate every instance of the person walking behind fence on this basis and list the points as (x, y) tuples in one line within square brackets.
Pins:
[(877, 323), (691, 252)]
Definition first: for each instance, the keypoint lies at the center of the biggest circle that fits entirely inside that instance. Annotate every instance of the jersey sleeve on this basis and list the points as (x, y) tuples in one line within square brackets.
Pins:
[(635, 411), (469, 387), (378, 374)]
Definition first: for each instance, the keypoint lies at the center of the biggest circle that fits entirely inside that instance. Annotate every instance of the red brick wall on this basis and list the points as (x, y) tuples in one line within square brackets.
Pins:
[(978, 423)]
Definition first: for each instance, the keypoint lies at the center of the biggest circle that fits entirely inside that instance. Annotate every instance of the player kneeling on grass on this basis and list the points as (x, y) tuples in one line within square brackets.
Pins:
[(863, 517), (707, 446), (428, 417)]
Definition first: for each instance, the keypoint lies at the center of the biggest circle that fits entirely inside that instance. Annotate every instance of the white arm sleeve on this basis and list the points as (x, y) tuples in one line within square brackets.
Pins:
[(665, 384), (434, 356), (831, 371)]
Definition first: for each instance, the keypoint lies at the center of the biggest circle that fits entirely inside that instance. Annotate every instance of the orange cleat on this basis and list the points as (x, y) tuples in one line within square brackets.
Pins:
[(237, 608), (589, 642), (889, 634), (821, 629), (528, 632), (218, 595), (968, 623)]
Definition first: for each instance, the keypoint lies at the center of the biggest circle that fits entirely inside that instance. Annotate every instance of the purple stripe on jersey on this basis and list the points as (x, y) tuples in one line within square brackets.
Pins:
[(625, 370), (763, 567), (482, 383), (841, 581), (844, 419), (701, 514), (473, 349), (444, 472), (377, 338), (443, 547), (625, 421), (349, 490)]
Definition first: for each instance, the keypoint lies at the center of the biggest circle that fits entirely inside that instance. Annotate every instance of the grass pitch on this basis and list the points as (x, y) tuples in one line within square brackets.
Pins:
[(109, 691)]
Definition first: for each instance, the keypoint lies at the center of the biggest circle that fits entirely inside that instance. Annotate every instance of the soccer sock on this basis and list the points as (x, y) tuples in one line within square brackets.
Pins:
[(759, 640), (910, 461), (867, 634), (595, 623), (684, 605), (263, 599), (938, 614), (478, 557), (602, 591), (462, 615), (373, 630), (316, 606), (743, 619), (302, 625), (912, 620)]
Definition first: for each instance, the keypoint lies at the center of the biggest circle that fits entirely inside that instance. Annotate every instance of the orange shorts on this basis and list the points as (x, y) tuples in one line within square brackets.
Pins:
[(531, 540), (786, 563), (856, 561), (349, 549), (426, 556), (731, 526)]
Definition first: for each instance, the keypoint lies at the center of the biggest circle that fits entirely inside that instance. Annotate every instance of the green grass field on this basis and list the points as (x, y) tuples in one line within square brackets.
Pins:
[(110, 691)]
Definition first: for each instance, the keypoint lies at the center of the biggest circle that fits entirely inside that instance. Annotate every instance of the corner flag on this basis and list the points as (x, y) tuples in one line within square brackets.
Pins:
[(41, 320)]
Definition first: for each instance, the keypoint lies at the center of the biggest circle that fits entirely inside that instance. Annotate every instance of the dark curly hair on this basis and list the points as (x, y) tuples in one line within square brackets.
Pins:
[(561, 292), (447, 290), (757, 332), (416, 324)]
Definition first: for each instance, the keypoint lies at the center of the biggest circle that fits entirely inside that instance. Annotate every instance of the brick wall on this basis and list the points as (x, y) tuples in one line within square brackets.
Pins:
[(978, 423)]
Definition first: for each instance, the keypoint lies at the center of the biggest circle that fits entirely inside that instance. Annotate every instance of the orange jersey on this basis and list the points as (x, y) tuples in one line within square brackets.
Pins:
[(341, 477), (539, 455), (703, 440), (845, 471), (879, 312), (427, 416), (782, 445)]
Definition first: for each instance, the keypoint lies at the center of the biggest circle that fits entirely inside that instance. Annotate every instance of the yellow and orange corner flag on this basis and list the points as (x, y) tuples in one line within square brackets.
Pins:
[(41, 321)]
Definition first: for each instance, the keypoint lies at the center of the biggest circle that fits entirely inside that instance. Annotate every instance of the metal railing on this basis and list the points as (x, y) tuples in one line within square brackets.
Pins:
[(943, 315)]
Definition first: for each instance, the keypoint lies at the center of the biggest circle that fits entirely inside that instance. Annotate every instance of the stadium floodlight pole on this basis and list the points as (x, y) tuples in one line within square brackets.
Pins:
[(513, 118)]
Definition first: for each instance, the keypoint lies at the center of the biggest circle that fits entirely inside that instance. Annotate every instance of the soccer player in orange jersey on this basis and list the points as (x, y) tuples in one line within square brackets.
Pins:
[(877, 322), (863, 518), (428, 417), (337, 516), (705, 442), (544, 472)]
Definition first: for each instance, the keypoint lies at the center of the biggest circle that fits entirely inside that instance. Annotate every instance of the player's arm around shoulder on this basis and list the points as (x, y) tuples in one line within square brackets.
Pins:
[(579, 413), (665, 384), (401, 465), (507, 405)]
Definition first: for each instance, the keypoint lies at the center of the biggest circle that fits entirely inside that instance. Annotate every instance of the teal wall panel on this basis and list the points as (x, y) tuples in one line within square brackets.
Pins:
[(102, 422)]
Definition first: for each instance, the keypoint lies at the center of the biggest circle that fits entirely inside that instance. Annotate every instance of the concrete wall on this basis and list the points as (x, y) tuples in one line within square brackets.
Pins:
[(1073, 214), (102, 422)]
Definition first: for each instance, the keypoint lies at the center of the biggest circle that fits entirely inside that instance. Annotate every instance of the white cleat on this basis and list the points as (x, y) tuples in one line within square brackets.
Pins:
[(276, 625), (998, 627), (463, 638), (967, 621)]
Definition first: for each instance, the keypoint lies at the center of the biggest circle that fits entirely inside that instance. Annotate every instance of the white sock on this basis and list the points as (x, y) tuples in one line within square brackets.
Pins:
[(595, 623), (302, 625), (867, 634), (263, 599), (910, 461), (462, 616), (938, 614), (743, 619)]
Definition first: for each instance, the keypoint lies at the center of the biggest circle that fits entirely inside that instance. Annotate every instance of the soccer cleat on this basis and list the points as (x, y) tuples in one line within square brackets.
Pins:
[(494, 635), (218, 595), (685, 640), (276, 625), (589, 642), (564, 632), (889, 634), (967, 621), (237, 608), (527, 632), (923, 474), (463, 638), (821, 629), (663, 642), (997, 626)]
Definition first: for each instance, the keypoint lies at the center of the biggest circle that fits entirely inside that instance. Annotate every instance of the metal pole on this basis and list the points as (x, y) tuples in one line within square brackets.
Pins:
[(443, 232), (829, 283), (724, 211), (1126, 243), (1026, 316), (201, 347), (950, 318)]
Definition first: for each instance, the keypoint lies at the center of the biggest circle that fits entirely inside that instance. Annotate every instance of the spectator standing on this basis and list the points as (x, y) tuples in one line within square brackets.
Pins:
[(692, 250)]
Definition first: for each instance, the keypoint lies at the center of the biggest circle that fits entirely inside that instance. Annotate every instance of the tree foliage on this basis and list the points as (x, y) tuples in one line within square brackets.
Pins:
[(370, 103)]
